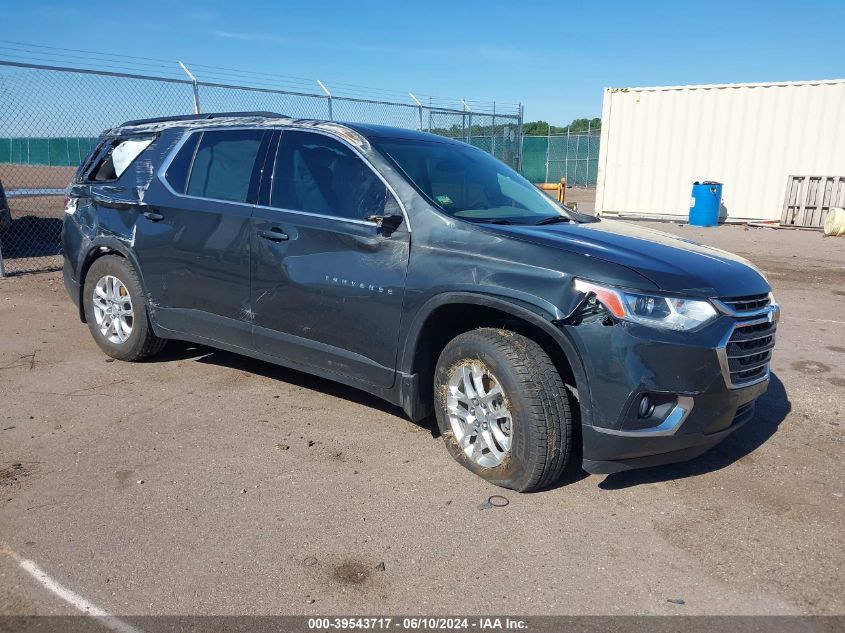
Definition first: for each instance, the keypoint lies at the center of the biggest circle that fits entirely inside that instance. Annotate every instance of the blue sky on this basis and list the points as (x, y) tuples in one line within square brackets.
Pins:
[(555, 57)]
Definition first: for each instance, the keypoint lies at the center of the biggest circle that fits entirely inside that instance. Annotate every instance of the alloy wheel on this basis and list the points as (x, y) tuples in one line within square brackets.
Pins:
[(479, 414), (113, 309)]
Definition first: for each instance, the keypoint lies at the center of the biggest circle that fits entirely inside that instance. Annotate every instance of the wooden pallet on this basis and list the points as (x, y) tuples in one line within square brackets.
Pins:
[(809, 199)]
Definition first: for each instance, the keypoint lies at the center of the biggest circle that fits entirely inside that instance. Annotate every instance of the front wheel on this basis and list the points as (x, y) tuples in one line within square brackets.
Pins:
[(116, 311), (503, 409)]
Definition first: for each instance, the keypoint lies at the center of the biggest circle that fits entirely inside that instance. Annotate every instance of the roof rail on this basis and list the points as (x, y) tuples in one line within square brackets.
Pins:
[(203, 117)]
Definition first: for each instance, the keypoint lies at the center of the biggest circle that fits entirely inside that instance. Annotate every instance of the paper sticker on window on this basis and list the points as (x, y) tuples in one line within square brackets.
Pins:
[(444, 200)]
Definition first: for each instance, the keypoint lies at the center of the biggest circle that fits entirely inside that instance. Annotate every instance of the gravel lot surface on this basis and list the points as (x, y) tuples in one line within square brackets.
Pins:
[(206, 483)]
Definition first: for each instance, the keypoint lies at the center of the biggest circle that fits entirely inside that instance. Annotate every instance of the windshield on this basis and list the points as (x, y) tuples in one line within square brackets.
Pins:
[(469, 183)]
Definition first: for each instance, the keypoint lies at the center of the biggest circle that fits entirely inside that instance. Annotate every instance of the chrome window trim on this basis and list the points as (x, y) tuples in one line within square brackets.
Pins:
[(191, 165), (275, 151), (772, 312), (669, 426), (269, 129), (314, 215)]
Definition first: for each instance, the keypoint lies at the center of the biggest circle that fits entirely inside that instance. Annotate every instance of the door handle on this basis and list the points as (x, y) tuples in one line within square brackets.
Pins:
[(274, 235), (153, 216)]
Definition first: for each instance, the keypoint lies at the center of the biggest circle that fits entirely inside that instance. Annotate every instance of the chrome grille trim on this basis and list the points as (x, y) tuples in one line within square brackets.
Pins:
[(745, 356), (749, 306), (753, 353), (753, 338)]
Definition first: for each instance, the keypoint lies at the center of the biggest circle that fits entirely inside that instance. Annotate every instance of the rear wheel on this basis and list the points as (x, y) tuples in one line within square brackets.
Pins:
[(116, 310), (503, 409)]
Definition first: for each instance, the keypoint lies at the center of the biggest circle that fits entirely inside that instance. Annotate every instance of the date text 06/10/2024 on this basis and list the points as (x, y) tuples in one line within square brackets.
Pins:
[(417, 623)]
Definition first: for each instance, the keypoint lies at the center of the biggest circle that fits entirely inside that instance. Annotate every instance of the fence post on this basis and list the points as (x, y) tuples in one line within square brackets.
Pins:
[(194, 86), (568, 141), (493, 132), (328, 98), (577, 154), (548, 150), (587, 156), (469, 128), (6, 204), (520, 133), (419, 108)]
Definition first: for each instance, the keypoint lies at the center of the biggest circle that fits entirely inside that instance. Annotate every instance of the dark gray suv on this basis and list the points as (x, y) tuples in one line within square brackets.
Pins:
[(424, 271)]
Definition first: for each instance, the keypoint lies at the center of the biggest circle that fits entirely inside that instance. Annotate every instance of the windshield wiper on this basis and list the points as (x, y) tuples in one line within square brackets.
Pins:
[(553, 220), (495, 221)]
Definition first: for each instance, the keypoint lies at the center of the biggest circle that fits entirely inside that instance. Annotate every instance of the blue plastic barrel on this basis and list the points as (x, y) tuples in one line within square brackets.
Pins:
[(705, 203)]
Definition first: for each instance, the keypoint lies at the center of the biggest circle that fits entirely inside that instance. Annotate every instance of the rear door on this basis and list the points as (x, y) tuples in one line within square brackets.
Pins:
[(193, 241), (327, 284)]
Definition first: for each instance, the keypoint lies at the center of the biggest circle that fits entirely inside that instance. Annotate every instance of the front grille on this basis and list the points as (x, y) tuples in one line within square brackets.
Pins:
[(747, 304), (749, 351)]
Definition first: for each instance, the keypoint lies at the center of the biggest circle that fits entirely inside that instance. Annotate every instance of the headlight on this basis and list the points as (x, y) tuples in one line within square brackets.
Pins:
[(671, 313)]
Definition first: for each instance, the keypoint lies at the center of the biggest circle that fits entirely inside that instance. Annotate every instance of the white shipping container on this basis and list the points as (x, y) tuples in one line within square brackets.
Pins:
[(655, 142)]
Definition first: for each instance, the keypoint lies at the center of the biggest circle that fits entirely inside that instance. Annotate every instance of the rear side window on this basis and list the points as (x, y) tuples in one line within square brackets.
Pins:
[(115, 159), (177, 171), (318, 174), (224, 164)]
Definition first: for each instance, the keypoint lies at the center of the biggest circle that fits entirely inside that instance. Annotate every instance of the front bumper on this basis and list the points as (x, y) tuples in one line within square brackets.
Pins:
[(685, 371), (610, 453)]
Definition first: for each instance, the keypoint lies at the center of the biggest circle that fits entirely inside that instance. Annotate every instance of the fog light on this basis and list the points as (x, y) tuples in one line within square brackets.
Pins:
[(646, 407)]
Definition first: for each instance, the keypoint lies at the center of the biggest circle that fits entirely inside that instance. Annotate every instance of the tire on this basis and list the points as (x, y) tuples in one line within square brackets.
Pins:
[(139, 342), (533, 399)]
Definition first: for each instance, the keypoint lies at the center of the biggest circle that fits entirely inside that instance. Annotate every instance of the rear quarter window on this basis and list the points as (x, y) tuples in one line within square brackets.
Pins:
[(116, 156)]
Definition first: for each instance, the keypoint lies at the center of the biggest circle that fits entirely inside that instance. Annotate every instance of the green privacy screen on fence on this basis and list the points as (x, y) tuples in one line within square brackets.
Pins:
[(573, 157), (56, 152)]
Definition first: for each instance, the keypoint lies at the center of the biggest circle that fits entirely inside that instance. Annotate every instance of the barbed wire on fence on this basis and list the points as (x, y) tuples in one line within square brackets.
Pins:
[(161, 68)]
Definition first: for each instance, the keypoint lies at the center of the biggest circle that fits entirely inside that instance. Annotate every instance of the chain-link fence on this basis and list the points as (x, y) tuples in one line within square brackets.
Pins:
[(573, 156), (50, 117), (496, 134)]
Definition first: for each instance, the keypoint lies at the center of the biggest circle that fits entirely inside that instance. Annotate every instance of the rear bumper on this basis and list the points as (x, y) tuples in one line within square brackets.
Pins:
[(72, 253)]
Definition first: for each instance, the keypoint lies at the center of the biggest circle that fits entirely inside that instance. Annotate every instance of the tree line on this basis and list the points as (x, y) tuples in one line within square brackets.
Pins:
[(530, 128), (541, 128)]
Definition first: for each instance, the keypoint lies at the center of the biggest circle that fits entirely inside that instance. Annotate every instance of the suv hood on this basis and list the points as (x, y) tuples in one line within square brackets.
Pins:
[(673, 264)]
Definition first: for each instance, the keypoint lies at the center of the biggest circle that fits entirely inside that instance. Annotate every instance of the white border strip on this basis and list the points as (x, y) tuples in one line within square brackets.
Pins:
[(74, 599)]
